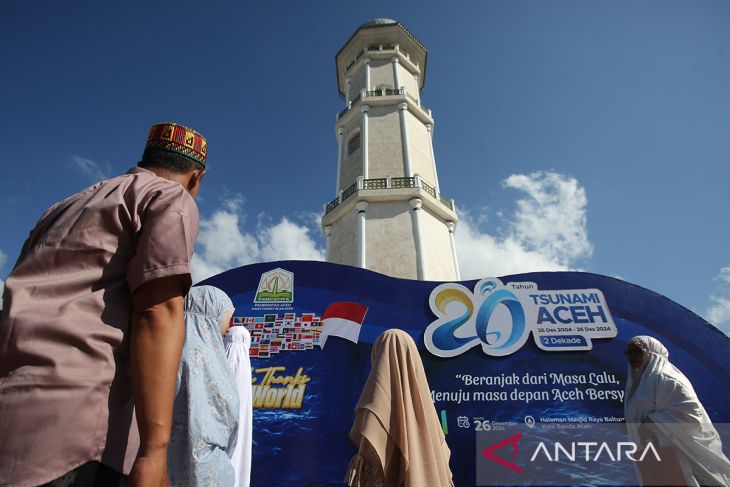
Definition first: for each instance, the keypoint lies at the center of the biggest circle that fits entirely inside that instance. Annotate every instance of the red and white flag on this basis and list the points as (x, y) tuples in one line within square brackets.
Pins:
[(342, 320)]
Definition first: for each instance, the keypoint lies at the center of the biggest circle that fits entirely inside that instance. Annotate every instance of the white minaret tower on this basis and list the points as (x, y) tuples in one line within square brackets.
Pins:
[(388, 214)]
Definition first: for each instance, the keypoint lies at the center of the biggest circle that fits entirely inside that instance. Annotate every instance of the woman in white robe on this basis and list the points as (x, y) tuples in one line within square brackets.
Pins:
[(238, 343), (661, 406)]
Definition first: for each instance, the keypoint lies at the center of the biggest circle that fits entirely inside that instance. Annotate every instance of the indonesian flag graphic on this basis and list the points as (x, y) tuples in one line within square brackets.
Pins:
[(342, 320)]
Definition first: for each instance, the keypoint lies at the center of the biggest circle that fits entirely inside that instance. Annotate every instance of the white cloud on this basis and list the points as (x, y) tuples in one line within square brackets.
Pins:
[(288, 241), (224, 243), (94, 171), (546, 232), (724, 275), (718, 313)]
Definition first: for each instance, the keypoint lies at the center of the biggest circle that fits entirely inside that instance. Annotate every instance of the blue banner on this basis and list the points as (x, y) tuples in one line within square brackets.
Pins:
[(531, 349)]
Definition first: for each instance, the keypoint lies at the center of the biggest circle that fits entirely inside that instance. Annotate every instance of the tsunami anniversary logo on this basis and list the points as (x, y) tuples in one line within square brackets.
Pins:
[(501, 317)]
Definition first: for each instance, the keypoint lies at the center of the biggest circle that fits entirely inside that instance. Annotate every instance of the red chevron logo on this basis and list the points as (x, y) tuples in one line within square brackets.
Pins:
[(512, 440)]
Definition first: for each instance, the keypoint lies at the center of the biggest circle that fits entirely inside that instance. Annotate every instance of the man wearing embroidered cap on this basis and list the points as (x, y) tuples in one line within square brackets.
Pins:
[(171, 137), (92, 324)]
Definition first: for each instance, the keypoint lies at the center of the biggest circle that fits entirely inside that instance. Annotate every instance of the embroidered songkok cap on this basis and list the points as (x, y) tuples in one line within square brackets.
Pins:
[(177, 138)]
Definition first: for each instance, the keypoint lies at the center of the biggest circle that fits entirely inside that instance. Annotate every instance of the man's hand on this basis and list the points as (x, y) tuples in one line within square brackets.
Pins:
[(150, 471), (157, 338)]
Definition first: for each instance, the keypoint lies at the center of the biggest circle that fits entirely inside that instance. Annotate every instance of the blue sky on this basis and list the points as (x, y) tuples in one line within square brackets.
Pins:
[(572, 134)]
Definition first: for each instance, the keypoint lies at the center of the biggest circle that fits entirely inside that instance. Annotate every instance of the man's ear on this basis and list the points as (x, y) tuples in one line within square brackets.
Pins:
[(195, 178)]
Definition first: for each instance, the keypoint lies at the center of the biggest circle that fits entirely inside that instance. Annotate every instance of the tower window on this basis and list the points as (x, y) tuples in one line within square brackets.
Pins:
[(353, 144)]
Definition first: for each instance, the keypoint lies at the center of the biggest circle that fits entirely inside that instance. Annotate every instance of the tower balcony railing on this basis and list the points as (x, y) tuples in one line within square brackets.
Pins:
[(380, 183), (349, 191), (428, 189), (387, 92), (386, 184), (332, 205), (380, 92), (397, 183), (449, 203), (379, 48)]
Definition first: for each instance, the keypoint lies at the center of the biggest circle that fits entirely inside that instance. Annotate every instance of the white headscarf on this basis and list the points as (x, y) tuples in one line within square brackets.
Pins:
[(238, 343), (205, 415), (665, 397)]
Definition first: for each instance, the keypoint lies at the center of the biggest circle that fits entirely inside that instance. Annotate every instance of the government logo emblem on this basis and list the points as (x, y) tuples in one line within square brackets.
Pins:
[(275, 286)]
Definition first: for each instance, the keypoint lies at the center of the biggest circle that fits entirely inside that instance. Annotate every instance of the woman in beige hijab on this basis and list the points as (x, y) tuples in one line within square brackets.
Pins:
[(396, 427)]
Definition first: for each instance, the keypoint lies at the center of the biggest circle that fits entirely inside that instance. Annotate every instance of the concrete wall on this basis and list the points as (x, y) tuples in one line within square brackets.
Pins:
[(352, 164), (385, 151), (436, 248), (381, 73), (420, 149), (390, 242), (390, 247), (343, 244), (406, 80), (357, 80)]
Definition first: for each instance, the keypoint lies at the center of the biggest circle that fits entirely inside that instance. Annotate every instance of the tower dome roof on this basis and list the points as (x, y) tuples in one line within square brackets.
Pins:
[(378, 22)]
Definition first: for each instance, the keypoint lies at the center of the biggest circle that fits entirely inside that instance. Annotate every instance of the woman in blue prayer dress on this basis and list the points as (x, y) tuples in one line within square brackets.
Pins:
[(205, 419)]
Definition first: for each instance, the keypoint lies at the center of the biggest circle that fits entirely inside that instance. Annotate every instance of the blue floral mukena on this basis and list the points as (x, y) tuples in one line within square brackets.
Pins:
[(205, 417)]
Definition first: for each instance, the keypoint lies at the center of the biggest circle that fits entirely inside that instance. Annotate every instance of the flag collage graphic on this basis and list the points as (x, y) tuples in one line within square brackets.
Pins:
[(272, 334)]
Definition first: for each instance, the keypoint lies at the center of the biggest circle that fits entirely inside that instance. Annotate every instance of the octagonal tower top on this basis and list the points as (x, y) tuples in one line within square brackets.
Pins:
[(380, 37)]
